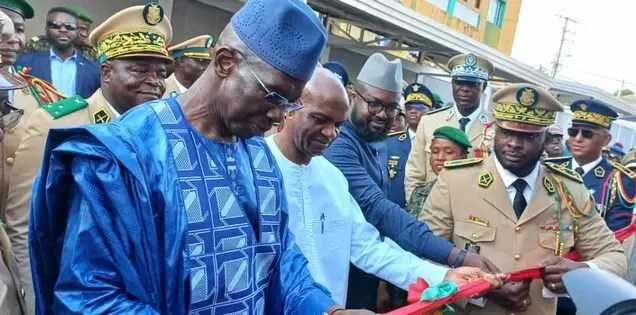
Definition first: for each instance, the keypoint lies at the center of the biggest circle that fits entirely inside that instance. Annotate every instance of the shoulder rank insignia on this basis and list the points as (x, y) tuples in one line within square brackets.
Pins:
[(599, 171), (462, 163), (66, 106), (564, 171), (548, 185), (101, 116), (623, 169), (558, 159), (485, 179), (438, 110)]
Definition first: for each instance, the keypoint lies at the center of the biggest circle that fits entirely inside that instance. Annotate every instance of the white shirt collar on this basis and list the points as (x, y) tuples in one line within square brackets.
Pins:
[(473, 116), (587, 167), (509, 178)]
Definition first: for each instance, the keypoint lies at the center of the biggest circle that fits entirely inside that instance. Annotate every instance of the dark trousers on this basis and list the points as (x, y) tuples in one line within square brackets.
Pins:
[(565, 306), (363, 290)]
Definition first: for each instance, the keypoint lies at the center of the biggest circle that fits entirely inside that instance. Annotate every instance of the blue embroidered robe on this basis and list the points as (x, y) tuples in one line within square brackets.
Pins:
[(119, 219)]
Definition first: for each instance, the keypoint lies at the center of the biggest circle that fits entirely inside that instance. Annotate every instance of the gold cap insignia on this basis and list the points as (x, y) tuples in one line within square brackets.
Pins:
[(416, 88), (584, 107), (485, 179), (153, 13), (527, 96)]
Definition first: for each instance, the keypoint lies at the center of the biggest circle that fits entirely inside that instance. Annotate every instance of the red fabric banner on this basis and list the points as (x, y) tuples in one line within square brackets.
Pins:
[(468, 290)]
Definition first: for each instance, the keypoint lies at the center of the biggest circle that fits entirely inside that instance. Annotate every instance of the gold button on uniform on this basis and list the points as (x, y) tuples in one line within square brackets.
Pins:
[(474, 236), (517, 228), (10, 160), (517, 257), (11, 131)]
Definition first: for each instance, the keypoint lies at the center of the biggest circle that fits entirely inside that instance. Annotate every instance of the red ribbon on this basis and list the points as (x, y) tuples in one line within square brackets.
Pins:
[(467, 290)]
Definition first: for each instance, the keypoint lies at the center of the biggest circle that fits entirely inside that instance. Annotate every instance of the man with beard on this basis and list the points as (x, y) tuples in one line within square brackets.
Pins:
[(191, 58), (328, 224), (127, 80), (375, 99), (470, 74), (84, 24), (63, 65), (519, 212), (178, 207)]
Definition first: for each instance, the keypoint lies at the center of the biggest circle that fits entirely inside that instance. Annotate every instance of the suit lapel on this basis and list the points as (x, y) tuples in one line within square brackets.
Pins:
[(496, 194), (540, 199), (79, 76)]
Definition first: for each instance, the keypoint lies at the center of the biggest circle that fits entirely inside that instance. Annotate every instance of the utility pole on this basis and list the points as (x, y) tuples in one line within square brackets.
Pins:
[(564, 32)]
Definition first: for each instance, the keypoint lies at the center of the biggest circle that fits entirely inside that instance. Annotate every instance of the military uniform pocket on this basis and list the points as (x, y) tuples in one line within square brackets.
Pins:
[(475, 233), (548, 240)]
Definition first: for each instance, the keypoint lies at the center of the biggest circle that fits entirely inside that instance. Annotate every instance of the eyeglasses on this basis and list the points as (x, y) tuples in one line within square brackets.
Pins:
[(11, 118), (272, 97), (375, 107), (586, 133), (58, 26)]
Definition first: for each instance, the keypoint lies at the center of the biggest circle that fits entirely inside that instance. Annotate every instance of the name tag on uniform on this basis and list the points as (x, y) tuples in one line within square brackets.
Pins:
[(479, 221)]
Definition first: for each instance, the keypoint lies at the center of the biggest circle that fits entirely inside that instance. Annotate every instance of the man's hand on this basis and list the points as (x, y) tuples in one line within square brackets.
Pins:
[(513, 296), (481, 262), (463, 275), (353, 312), (555, 267)]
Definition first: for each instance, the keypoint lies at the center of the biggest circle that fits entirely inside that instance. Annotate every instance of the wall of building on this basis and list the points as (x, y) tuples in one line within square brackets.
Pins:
[(455, 13)]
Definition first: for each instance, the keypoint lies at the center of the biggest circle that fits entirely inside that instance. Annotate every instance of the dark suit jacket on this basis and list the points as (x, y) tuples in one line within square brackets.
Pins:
[(87, 79)]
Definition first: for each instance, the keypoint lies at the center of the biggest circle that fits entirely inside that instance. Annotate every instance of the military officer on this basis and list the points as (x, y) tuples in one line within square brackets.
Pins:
[(133, 71), (520, 213), (12, 292), (470, 74), (448, 144), (417, 100), (611, 183), (25, 101), (191, 58)]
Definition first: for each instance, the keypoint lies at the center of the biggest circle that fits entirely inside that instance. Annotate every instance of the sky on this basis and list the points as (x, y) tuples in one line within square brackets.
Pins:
[(600, 49)]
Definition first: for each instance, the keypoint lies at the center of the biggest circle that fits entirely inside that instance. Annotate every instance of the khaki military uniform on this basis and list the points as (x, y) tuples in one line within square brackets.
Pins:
[(26, 161), (15, 251), (470, 205), (418, 168), (172, 86)]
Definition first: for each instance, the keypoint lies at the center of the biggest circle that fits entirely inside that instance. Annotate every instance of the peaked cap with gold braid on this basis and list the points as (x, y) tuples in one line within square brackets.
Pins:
[(525, 108), (138, 31), (197, 47)]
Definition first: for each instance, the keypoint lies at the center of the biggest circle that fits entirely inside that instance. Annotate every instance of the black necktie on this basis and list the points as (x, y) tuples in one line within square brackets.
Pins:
[(579, 170), (519, 203), (463, 122)]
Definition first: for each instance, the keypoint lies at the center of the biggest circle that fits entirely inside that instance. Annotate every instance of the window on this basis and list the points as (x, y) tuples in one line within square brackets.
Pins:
[(477, 4), (442, 4), (496, 12), (467, 15)]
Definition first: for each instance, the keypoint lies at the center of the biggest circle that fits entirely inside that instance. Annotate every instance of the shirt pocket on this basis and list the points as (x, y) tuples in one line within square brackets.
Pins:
[(473, 233), (548, 240), (330, 235)]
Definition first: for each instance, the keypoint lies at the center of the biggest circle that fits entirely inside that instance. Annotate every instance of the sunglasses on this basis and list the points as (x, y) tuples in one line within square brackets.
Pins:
[(271, 96), (10, 119), (59, 26), (586, 133), (391, 110)]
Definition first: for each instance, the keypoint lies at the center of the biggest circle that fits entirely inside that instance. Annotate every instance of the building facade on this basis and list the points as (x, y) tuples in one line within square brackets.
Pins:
[(492, 22)]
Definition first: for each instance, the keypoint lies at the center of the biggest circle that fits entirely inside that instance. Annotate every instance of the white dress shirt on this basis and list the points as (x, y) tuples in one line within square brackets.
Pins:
[(587, 167), (331, 230), (182, 89), (411, 134), (509, 178)]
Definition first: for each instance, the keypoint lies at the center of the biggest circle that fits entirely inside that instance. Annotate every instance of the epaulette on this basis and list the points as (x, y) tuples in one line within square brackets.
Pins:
[(564, 171), (396, 133), (438, 110), (558, 159), (623, 169), (462, 163), (66, 106)]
